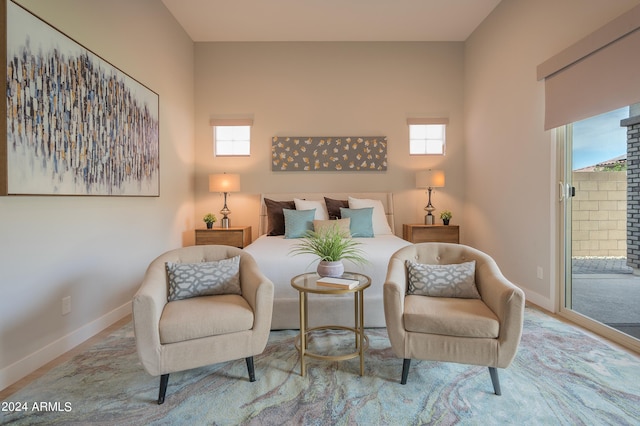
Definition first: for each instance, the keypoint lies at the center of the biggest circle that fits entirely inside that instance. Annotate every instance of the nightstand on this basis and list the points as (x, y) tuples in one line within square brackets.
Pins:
[(431, 233), (237, 236)]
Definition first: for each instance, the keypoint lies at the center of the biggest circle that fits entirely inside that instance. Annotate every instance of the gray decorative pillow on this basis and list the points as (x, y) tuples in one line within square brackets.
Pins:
[(454, 280), (188, 280)]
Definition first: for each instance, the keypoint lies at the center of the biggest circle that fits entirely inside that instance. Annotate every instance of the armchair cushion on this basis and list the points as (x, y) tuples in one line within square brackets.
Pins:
[(187, 280), (198, 331), (206, 316), (483, 331), (454, 280), (450, 317)]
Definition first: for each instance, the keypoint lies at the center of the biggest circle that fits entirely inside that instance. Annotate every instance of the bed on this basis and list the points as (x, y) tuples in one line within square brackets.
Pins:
[(272, 253)]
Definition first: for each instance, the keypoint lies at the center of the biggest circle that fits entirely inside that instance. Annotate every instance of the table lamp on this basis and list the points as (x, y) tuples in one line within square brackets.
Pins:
[(225, 183), (429, 179)]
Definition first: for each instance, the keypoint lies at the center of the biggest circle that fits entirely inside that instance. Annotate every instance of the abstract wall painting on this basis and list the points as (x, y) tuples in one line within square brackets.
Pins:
[(348, 153), (76, 125)]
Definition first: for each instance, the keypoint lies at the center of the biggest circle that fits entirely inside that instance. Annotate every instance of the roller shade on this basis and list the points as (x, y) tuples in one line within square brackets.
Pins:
[(231, 122), (418, 120), (599, 73)]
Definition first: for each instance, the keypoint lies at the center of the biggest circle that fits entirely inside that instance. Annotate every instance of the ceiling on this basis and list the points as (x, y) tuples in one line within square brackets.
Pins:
[(330, 20)]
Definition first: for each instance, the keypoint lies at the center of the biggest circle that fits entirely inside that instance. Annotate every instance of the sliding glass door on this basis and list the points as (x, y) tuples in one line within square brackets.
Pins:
[(598, 287)]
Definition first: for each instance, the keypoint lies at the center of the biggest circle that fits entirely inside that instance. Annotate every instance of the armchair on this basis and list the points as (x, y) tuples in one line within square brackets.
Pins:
[(483, 331), (198, 331)]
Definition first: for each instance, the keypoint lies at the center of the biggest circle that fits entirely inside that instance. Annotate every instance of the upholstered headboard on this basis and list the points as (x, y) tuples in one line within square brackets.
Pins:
[(385, 197)]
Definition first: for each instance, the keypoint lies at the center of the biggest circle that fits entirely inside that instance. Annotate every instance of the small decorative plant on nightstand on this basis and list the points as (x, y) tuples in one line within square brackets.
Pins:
[(209, 219), (332, 246), (446, 216)]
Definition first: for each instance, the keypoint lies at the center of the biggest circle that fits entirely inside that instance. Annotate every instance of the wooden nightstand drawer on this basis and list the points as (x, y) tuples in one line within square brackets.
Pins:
[(235, 236), (431, 233)]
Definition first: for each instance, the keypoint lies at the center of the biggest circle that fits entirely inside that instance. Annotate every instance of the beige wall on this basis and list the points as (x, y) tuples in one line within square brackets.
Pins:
[(501, 182), (96, 249), (329, 89), (599, 214), (511, 183)]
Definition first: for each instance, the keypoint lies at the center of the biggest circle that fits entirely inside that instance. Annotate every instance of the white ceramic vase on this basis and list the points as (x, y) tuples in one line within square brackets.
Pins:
[(330, 269)]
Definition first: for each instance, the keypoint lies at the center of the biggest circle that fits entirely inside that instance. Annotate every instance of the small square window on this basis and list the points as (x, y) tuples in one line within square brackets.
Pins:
[(427, 139), (232, 140)]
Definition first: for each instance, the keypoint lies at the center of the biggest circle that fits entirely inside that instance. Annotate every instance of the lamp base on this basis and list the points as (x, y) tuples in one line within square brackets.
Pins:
[(428, 218), (224, 223)]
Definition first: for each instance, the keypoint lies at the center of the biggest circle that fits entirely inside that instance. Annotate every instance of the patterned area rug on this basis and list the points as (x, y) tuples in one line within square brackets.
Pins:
[(560, 376)]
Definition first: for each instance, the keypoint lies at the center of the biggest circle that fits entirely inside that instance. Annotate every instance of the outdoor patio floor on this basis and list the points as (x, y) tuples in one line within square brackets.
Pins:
[(606, 290)]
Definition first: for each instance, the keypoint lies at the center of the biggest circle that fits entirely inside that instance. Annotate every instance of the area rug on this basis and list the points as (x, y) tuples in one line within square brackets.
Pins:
[(561, 376)]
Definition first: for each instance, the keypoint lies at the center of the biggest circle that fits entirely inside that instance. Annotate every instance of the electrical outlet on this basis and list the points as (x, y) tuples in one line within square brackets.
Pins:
[(540, 273), (66, 305)]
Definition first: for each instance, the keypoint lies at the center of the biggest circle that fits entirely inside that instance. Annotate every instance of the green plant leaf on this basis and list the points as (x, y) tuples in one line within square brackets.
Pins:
[(331, 244)]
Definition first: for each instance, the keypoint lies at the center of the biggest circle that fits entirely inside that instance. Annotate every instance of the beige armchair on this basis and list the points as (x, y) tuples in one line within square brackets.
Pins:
[(198, 331), (483, 331)]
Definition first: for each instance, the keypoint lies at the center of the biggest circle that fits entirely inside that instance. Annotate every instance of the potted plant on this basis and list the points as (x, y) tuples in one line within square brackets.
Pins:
[(446, 216), (209, 219), (332, 246)]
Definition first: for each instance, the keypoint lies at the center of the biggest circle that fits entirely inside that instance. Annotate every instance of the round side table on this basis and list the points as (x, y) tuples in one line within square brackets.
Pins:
[(308, 283)]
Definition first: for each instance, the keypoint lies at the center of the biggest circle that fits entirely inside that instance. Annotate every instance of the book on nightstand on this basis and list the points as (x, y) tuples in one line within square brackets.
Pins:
[(337, 282)]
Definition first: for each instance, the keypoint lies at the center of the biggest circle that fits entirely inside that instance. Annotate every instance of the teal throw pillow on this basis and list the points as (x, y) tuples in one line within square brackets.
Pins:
[(361, 224), (188, 280), (298, 222)]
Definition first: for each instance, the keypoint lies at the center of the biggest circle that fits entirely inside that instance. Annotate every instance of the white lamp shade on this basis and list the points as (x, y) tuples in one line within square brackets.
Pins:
[(430, 179), (224, 182)]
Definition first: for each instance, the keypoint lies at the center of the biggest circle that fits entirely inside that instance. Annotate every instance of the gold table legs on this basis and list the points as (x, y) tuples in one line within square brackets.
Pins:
[(361, 340)]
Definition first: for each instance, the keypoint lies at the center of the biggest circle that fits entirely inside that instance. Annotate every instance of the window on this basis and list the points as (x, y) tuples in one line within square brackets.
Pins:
[(427, 136), (231, 137)]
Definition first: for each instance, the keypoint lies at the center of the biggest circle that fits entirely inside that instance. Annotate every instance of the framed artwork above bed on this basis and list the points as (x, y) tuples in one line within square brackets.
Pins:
[(329, 153)]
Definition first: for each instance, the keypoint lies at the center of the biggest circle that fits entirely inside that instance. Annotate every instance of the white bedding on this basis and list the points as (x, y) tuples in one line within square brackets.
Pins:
[(274, 259)]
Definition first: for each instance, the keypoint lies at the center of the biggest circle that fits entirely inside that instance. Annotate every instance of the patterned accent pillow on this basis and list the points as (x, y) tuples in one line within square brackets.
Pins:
[(455, 280), (188, 280)]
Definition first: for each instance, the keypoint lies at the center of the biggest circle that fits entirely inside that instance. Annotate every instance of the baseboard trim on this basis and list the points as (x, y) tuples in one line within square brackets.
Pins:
[(27, 365), (537, 299)]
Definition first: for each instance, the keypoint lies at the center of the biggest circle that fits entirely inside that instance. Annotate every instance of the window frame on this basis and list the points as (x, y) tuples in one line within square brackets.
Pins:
[(441, 122), (232, 123)]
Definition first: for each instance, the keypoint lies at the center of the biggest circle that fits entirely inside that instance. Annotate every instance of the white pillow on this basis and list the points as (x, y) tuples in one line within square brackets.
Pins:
[(380, 223), (320, 206)]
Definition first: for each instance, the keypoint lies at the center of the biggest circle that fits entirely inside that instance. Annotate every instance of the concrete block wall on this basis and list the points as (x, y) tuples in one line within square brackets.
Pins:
[(599, 214)]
